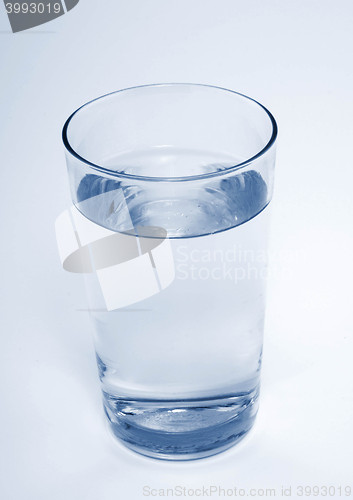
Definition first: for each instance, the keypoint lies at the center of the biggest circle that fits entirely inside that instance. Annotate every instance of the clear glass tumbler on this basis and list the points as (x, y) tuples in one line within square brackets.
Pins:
[(170, 186)]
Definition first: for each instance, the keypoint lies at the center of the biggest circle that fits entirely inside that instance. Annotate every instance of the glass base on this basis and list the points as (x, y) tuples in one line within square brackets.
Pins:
[(183, 429)]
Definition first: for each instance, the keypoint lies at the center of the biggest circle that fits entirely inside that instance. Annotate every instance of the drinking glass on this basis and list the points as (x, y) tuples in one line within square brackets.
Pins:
[(170, 186)]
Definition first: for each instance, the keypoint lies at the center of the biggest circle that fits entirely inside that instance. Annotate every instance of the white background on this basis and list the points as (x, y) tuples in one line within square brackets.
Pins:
[(295, 56)]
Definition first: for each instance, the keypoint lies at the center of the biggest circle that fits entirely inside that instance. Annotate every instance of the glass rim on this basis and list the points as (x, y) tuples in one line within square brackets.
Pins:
[(114, 173)]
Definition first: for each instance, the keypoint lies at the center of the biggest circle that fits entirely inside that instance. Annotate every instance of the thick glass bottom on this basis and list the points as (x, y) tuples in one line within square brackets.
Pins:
[(183, 429)]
